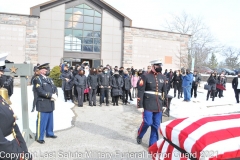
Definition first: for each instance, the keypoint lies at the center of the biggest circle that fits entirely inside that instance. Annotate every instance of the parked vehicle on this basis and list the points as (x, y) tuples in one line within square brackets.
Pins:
[(227, 71), (203, 70), (237, 71)]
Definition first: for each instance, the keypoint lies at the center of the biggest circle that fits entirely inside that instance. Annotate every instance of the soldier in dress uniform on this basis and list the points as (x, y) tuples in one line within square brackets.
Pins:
[(11, 140), (151, 94), (47, 94)]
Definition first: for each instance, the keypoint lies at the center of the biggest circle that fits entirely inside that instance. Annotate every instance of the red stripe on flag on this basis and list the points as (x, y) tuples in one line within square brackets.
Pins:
[(183, 135), (227, 155), (170, 127), (168, 155), (214, 136)]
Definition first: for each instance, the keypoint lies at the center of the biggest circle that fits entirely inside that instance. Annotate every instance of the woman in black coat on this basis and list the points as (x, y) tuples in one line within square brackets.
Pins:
[(116, 84), (80, 80), (220, 81), (212, 81), (177, 83), (67, 83)]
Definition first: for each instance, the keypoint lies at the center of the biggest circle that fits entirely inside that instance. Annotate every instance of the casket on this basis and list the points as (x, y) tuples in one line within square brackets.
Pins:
[(199, 138)]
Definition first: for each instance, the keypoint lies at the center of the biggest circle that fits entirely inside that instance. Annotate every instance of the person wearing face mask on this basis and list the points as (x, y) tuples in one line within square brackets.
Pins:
[(151, 94), (121, 71), (104, 84), (177, 83), (126, 87), (67, 83), (212, 81), (92, 80), (116, 83), (80, 80), (99, 72), (47, 95), (187, 80), (196, 80), (236, 86)]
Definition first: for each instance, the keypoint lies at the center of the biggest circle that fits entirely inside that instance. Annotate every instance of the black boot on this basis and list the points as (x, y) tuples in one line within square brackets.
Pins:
[(174, 95), (181, 95), (178, 96)]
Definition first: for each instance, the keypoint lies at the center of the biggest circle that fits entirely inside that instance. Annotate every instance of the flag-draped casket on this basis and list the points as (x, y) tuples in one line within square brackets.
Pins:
[(199, 138)]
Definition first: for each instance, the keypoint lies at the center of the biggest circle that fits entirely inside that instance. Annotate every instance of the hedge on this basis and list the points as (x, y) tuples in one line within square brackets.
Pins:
[(55, 75)]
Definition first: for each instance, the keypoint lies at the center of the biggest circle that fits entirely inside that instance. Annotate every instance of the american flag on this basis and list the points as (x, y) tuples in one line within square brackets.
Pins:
[(202, 138)]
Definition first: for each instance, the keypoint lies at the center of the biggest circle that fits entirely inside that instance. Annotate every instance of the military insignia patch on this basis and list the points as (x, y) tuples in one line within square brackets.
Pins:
[(37, 85), (141, 82), (161, 80)]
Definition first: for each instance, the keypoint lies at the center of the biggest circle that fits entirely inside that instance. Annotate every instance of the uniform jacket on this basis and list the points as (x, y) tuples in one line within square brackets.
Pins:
[(127, 83), (7, 82), (187, 80), (80, 81), (116, 83), (212, 81), (67, 85), (235, 83), (104, 80), (45, 88), (92, 81), (197, 80), (7, 124), (155, 83), (134, 80)]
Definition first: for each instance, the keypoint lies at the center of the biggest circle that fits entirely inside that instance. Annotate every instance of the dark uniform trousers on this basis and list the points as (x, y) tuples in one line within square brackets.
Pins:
[(45, 106), (80, 91), (104, 92), (92, 96), (152, 103)]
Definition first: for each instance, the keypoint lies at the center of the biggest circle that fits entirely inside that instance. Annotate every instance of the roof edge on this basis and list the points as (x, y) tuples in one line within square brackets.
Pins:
[(16, 14), (160, 30)]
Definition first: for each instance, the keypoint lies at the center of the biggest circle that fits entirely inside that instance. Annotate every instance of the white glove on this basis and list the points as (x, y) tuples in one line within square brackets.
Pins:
[(54, 97), (140, 110)]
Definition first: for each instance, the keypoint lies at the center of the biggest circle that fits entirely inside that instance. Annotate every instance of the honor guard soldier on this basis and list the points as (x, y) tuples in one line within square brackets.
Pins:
[(47, 94), (151, 94), (11, 140)]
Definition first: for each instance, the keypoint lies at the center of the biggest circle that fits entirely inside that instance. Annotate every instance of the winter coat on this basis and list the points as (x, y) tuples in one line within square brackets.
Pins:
[(67, 85), (177, 78), (75, 72), (187, 80), (104, 80), (93, 81), (221, 81), (196, 80), (127, 83), (134, 80), (80, 81), (169, 76), (116, 84), (235, 83), (212, 81)]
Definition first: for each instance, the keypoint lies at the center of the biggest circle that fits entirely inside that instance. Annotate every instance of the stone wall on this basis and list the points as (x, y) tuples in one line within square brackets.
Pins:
[(144, 45), (30, 25)]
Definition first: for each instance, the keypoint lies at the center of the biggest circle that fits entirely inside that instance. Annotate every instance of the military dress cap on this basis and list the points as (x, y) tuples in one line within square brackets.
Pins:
[(156, 62), (44, 66), (3, 57)]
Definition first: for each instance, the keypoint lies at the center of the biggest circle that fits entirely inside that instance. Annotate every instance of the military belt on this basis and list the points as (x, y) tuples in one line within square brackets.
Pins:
[(152, 92)]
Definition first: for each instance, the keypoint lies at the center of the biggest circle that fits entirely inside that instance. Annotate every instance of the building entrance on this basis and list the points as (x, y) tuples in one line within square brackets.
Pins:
[(93, 63)]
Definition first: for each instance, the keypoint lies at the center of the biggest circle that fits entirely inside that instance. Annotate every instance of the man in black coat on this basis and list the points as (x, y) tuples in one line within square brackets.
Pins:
[(104, 84), (92, 81), (151, 94), (196, 80), (127, 85), (67, 83), (236, 86), (47, 94)]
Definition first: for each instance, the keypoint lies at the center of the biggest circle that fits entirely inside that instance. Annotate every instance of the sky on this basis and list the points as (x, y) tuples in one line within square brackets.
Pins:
[(221, 16)]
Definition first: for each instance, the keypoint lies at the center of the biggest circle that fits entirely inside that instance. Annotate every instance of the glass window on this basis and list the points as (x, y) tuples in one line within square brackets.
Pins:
[(88, 19), (68, 24), (78, 11), (68, 17), (77, 25), (80, 6), (67, 46), (97, 48), (68, 10), (77, 33), (88, 26), (87, 7), (88, 41), (97, 27), (77, 17), (88, 12), (97, 20), (97, 34), (88, 48), (68, 32), (97, 41), (88, 34), (97, 14)]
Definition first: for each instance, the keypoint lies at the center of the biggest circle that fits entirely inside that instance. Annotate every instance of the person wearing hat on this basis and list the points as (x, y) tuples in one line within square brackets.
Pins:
[(187, 80), (11, 139), (47, 95), (151, 94), (92, 81)]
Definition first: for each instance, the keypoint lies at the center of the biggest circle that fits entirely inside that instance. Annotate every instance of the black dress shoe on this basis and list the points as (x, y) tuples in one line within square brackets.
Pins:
[(51, 136), (32, 110), (107, 104), (94, 105), (40, 141), (65, 100), (131, 99), (139, 140)]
